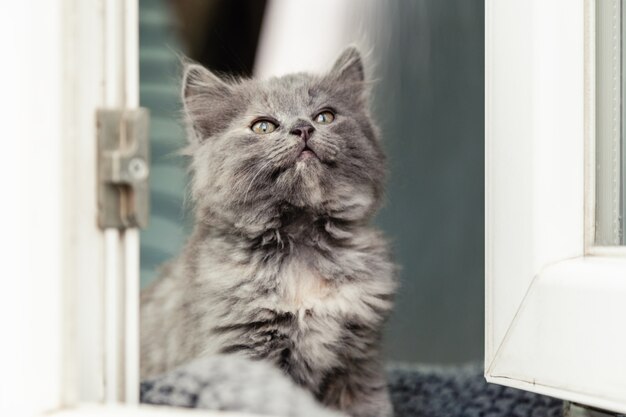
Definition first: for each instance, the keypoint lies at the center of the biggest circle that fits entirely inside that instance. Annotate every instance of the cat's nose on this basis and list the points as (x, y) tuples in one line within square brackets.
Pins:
[(304, 130)]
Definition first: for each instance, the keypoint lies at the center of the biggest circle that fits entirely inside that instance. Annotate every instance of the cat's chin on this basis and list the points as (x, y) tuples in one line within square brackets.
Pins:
[(304, 182)]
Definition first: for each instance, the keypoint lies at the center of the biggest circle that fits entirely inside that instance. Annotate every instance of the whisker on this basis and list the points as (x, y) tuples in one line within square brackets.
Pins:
[(275, 157), (245, 196)]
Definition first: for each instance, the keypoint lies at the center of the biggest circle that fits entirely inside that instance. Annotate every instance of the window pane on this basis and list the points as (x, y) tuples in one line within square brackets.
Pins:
[(623, 130), (610, 126)]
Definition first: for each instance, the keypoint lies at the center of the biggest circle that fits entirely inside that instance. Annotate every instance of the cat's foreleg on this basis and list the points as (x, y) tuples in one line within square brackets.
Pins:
[(360, 391), (371, 404)]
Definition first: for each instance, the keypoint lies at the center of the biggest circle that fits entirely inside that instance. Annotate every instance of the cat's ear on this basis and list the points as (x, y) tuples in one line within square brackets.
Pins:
[(207, 100), (349, 66)]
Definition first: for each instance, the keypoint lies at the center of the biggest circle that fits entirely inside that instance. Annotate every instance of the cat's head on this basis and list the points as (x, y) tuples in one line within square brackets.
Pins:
[(302, 141)]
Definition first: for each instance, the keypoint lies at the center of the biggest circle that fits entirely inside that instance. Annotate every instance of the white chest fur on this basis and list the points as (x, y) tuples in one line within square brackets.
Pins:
[(302, 290), (301, 287)]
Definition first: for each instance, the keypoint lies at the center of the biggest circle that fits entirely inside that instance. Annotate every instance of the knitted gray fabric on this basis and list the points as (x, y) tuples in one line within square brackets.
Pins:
[(233, 384), (447, 391)]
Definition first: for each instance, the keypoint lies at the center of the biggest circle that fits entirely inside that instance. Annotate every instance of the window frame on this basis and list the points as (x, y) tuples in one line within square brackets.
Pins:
[(554, 301), (71, 298)]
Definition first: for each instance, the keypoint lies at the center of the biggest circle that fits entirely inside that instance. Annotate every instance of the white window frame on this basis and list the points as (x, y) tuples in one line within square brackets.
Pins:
[(69, 292), (555, 303)]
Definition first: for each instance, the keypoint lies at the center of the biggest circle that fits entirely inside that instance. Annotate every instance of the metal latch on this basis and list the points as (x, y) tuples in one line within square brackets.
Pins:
[(123, 168)]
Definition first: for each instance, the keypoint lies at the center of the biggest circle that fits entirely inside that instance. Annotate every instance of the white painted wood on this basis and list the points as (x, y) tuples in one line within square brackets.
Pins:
[(33, 239), (95, 78), (64, 65), (507, 47), (53, 294), (608, 251), (121, 87), (554, 314), (114, 86), (131, 236), (113, 316), (84, 83), (131, 337), (534, 149), (568, 339)]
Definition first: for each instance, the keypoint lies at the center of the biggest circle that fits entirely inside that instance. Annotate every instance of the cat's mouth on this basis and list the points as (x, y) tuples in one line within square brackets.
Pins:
[(306, 152)]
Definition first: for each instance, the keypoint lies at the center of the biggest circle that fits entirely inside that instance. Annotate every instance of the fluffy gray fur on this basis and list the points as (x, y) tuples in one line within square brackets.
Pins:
[(231, 383), (282, 265)]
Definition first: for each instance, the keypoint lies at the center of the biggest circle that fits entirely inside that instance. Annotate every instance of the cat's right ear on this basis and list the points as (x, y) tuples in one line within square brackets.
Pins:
[(207, 101)]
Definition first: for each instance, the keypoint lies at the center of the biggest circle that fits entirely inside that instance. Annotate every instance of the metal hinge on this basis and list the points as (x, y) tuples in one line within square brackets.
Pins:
[(123, 168)]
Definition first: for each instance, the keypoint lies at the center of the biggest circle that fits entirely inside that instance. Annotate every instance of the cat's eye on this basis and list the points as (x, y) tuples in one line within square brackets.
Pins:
[(325, 117), (263, 126)]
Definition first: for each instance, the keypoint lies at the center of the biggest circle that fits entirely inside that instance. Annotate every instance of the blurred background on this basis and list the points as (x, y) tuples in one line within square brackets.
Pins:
[(427, 57)]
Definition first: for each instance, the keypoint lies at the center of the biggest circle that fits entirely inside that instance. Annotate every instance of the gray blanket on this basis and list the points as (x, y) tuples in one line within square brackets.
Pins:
[(234, 384)]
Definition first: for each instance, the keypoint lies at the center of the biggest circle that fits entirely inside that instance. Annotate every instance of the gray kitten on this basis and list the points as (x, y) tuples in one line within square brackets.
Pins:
[(282, 265)]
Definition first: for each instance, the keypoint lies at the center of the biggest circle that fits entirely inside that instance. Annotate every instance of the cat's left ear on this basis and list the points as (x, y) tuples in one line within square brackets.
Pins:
[(348, 67), (209, 101)]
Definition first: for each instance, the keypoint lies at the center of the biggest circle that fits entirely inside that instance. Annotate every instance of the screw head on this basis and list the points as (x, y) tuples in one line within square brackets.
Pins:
[(138, 169)]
